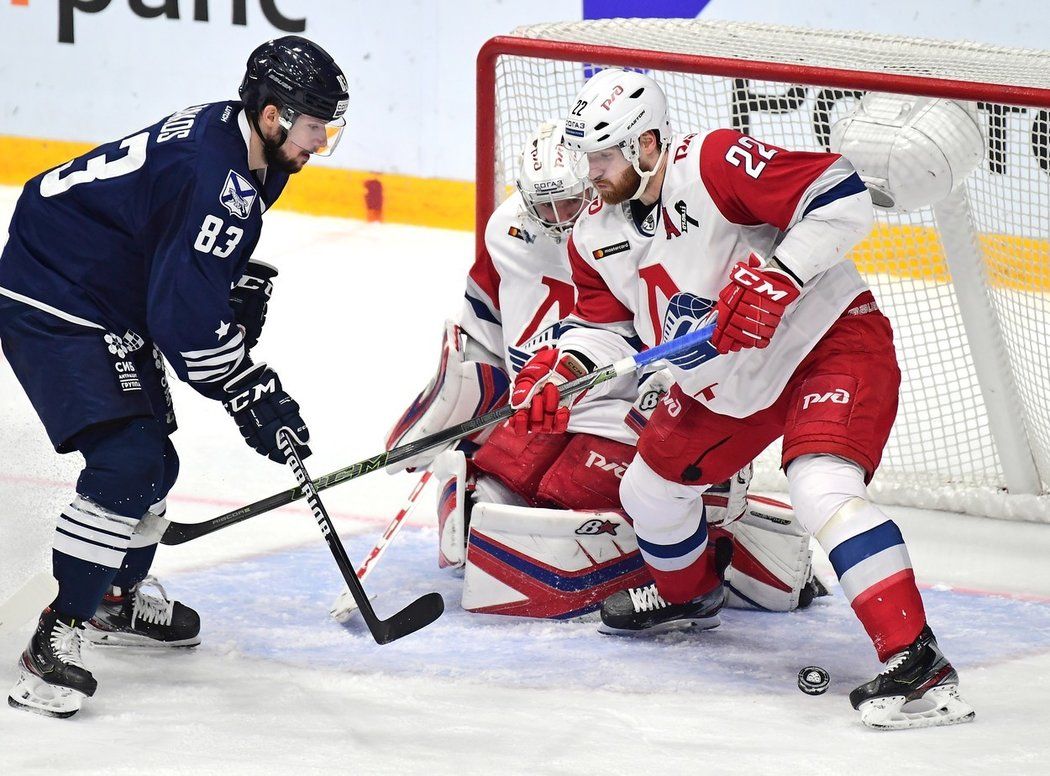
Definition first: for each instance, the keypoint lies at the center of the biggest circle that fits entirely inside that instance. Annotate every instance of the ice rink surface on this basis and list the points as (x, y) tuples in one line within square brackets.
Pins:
[(278, 687)]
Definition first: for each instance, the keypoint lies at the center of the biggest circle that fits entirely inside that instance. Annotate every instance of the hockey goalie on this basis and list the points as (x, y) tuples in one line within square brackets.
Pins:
[(534, 520)]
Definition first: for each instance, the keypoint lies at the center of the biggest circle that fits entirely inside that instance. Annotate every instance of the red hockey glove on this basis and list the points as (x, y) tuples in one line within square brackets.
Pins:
[(535, 392), (751, 305)]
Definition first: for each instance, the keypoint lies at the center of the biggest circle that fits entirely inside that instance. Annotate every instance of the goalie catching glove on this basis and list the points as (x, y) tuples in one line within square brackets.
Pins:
[(752, 304), (260, 407), (535, 393)]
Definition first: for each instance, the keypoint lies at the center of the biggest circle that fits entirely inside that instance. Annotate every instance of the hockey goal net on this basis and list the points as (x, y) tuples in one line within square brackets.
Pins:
[(966, 283)]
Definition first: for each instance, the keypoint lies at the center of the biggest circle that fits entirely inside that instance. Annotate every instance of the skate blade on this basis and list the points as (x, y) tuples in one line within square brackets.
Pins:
[(31, 693), (686, 624), (101, 638), (939, 706)]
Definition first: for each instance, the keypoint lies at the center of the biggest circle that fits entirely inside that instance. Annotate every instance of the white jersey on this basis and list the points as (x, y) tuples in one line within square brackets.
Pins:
[(519, 291), (724, 195)]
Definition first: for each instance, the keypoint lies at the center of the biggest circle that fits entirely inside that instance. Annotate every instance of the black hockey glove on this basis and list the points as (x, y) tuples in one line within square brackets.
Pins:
[(249, 298), (260, 406)]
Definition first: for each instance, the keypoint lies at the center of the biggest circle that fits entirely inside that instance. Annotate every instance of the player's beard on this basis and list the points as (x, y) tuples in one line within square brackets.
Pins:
[(287, 157), (621, 189)]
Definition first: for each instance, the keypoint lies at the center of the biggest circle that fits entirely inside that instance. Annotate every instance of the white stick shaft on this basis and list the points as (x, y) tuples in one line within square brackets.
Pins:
[(345, 605), (392, 529), (28, 601)]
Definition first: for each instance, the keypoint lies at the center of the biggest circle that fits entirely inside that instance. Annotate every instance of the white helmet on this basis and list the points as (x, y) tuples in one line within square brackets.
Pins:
[(553, 181), (612, 109)]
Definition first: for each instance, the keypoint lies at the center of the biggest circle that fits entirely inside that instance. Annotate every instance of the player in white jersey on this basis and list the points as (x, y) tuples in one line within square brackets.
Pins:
[(519, 291), (716, 225)]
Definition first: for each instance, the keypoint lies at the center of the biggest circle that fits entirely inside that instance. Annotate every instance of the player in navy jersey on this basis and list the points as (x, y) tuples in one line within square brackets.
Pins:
[(137, 252)]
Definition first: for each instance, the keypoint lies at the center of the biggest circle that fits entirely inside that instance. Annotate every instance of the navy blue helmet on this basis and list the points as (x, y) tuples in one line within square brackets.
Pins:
[(294, 73)]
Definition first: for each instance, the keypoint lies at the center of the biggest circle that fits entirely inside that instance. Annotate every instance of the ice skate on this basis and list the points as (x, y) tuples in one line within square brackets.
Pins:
[(919, 688), (136, 618), (643, 611), (53, 680)]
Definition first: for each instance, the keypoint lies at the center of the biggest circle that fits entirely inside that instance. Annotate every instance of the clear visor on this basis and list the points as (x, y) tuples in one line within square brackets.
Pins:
[(313, 135), (557, 214)]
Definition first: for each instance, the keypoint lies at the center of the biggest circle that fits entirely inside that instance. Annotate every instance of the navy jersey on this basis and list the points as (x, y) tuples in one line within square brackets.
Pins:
[(145, 236)]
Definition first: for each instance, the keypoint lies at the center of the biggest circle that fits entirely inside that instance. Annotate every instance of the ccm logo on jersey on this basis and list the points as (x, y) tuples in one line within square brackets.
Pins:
[(597, 460), (749, 279), (838, 396)]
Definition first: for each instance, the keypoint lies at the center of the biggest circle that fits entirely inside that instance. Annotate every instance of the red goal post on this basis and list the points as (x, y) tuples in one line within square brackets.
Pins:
[(966, 281)]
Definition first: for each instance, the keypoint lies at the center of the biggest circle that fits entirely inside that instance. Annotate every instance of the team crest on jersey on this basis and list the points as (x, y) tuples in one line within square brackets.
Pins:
[(238, 196), (610, 250), (685, 313)]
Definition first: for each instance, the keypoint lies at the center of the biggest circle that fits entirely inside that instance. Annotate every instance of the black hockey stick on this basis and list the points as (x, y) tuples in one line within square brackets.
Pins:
[(177, 533), (418, 614)]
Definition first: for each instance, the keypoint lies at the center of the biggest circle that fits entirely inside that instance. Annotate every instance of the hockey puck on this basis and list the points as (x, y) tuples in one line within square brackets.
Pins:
[(813, 680)]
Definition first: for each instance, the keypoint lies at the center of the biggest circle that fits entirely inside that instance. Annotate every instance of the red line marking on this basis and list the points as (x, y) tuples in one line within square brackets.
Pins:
[(179, 498)]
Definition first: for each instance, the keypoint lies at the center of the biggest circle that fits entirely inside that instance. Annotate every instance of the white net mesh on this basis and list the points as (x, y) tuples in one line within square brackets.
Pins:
[(942, 453)]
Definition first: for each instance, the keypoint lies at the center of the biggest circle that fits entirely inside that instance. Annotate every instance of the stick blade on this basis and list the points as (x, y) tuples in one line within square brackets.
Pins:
[(417, 615), (31, 599)]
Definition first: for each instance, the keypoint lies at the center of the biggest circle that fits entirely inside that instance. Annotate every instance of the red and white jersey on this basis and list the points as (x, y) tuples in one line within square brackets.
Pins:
[(724, 195), (519, 291)]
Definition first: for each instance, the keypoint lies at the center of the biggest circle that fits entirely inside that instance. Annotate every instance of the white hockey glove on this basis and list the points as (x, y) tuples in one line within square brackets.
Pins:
[(460, 390)]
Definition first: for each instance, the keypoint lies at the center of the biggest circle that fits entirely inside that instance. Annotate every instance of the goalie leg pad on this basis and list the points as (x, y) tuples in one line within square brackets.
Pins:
[(520, 462), (548, 563), (450, 470), (460, 390), (587, 474), (772, 559), (726, 502)]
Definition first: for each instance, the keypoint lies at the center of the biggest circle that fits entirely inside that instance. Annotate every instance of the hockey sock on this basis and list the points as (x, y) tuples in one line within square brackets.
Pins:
[(684, 585), (892, 613), (81, 585), (136, 565)]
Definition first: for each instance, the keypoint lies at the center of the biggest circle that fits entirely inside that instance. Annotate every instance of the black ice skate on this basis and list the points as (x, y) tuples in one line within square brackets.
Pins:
[(53, 681), (135, 618), (812, 589), (643, 611), (919, 688)]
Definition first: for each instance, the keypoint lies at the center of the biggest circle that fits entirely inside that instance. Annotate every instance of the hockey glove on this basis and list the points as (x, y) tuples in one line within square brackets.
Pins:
[(260, 406), (751, 305), (535, 393), (250, 297)]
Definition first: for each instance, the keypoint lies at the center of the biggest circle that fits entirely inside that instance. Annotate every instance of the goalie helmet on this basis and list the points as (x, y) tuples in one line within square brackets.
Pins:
[(612, 110), (911, 152), (553, 182)]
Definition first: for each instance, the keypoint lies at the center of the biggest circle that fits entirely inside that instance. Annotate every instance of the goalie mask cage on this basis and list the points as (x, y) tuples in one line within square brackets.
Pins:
[(964, 282)]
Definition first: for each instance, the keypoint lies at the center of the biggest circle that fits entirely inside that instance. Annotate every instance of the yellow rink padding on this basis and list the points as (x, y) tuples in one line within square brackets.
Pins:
[(328, 191), (914, 252)]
